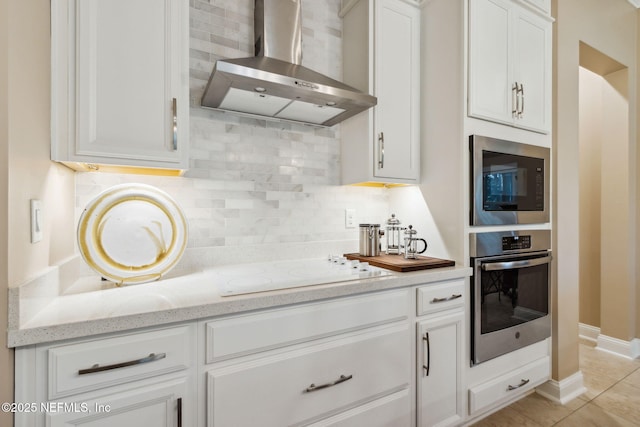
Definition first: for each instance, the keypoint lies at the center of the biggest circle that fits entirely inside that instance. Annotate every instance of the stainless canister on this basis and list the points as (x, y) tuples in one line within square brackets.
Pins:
[(369, 239)]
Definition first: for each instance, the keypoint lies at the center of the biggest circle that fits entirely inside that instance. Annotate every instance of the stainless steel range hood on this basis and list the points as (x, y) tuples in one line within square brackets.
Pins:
[(273, 84)]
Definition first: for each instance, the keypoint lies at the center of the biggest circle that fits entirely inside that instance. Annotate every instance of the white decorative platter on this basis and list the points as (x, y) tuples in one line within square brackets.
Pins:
[(132, 233)]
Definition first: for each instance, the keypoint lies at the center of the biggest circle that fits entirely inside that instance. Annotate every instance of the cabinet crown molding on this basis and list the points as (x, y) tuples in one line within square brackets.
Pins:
[(347, 5)]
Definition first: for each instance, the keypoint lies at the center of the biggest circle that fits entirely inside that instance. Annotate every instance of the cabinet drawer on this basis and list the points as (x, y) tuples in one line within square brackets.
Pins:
[(512, 383), (393, 410), (72, 368), (249, 334), (440, 297), (296, 387)]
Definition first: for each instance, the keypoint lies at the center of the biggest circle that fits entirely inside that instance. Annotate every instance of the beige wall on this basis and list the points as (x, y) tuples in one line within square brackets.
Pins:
[(617, 302), (610, 27), (31, 173), (6, 356), (25, 169), (635, 153), (591, 87)]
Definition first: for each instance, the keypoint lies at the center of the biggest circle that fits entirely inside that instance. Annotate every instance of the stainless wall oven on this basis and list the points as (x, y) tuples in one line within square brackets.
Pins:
[(510, 182), (509, 291)]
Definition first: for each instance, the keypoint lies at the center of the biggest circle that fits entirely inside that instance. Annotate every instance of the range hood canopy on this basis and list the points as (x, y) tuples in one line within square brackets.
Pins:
[(273, 84)]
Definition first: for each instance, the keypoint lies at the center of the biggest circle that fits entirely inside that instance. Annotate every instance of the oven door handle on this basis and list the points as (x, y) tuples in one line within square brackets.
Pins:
[(509, 265)]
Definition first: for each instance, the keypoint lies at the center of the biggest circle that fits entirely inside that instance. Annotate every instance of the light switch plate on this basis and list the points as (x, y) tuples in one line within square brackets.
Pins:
[(36, 221)]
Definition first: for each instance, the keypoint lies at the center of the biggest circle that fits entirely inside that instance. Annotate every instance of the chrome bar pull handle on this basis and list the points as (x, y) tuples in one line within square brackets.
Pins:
[(452, 297), (509, 265), (381, 143), (517, 100), (427, 366), (97, 368), (514, 100), (520, 99), (175, 125), (522, 382), (340, 380)]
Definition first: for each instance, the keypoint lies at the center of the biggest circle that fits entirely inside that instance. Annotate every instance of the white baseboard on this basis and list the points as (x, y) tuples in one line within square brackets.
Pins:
[(563, 391), (588, 332), (628, 349)]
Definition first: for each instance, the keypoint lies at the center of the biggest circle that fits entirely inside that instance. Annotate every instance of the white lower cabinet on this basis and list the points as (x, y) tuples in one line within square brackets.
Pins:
[(389, 411), (344, 362), (124, 380), (510, 384), (157, 404), (310, 383), (439, 381), (351, 368)]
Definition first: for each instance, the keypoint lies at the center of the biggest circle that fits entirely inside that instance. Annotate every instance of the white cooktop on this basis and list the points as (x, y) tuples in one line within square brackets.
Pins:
[(268, 276)]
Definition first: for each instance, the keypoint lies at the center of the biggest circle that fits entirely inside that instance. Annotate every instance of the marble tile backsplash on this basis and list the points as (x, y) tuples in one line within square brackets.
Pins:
[(255, 187)]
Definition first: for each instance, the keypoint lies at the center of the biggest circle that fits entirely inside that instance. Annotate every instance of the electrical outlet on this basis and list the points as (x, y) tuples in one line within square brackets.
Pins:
[(349, 218), (36, 221)]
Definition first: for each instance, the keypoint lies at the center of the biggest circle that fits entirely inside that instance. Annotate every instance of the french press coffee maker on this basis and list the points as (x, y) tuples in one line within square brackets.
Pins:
[(411, 244), (393, 235)]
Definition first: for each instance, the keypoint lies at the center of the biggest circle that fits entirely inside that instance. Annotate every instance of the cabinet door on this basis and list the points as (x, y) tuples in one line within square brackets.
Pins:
[(120, 76), (158, 405), (397, 86), (490, 87), (532, 69), (439, 370)]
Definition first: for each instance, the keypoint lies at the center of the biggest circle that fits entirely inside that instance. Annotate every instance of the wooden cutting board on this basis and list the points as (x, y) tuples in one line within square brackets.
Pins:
[(398, 263)]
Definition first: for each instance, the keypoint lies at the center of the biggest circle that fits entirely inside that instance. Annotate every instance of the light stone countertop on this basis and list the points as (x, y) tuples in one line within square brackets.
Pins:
[(90, 307)]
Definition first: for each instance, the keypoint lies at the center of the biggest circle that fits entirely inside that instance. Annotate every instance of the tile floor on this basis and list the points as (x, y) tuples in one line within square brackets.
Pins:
[(612, 398)]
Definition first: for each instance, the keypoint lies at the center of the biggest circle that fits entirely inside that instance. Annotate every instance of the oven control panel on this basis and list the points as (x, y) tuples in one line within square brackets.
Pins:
[(513, 243)]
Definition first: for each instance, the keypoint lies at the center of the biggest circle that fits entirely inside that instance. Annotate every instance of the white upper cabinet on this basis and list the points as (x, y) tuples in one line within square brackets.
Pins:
[(509, 65), (381, 51), (120, 82)]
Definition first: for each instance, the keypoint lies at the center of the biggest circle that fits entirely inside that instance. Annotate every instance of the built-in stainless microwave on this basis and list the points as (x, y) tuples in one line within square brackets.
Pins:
[(509, 182)]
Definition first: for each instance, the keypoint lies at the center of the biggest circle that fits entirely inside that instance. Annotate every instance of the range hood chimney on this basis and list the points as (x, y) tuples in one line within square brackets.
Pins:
[(273, 84)]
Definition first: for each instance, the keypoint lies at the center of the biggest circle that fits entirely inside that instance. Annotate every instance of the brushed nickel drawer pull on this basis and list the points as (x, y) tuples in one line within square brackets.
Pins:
[(97, 368), (522, 382), (314, 387), (452, 297)]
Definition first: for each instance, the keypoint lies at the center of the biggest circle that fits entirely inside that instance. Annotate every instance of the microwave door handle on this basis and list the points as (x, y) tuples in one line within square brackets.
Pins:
[(509, 265)]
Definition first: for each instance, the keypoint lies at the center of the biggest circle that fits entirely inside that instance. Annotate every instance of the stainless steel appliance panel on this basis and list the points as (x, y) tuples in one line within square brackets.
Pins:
[(510, 182), (510, 291)]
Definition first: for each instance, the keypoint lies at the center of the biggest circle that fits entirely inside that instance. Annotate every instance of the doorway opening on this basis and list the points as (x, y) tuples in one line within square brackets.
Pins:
[(605, 204)]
